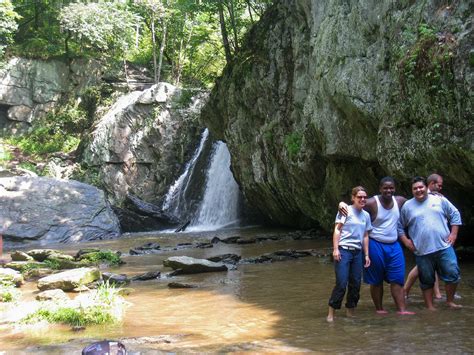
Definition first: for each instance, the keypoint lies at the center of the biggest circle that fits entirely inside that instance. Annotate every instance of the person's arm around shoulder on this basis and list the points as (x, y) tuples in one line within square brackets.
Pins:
[(400, 201), (371, 208), (336, 236)]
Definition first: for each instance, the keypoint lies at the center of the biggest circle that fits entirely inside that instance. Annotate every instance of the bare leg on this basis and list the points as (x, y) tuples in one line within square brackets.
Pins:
[(428, 296), (330, 317), (350, 312), (398, 296), (376, 291), (437, 293), (411, 279), (450, 291)]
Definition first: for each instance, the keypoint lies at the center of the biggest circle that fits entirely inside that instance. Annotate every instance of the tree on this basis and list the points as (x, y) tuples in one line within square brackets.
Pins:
[(8, 24), (108, 27)]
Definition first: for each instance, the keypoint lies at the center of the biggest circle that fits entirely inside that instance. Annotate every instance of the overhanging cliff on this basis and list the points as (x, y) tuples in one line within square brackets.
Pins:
[(326, 95)]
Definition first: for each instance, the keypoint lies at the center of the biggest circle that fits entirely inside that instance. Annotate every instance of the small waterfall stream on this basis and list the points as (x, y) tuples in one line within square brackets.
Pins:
[(218, 204)]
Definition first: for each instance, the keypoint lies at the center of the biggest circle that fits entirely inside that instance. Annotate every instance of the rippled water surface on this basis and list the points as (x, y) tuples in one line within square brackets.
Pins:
[(278, 307)]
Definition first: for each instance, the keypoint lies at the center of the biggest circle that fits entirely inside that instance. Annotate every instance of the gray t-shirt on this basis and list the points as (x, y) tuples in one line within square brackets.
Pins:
[(354, 227), (427, 223)]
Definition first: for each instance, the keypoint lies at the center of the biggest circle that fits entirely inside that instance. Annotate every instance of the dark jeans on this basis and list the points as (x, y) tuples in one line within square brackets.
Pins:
[(348, 275)]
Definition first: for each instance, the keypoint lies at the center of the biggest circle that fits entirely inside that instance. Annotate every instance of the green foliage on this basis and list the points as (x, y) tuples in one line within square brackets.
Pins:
[(8, 291), (52, 264), (293, 143), (428, 60), (105, 26), (8, 24), (105, 256), (88, 174), (102, 307)]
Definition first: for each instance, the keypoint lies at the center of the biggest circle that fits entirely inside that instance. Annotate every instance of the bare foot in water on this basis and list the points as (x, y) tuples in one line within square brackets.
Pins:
[(381, 311), (350, 312), (405, 313), (453, 305)]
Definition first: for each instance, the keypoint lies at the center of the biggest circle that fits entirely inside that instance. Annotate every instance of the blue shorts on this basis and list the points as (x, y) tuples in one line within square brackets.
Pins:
[(387, 263), (444, 262)]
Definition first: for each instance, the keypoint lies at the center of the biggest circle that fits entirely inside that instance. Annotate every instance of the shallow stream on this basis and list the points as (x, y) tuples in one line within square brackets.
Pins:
[(278, 307)]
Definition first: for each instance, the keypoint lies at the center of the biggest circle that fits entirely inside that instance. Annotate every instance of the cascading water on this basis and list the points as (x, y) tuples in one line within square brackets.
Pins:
[(220, 205), (175, 200), (217, 205)]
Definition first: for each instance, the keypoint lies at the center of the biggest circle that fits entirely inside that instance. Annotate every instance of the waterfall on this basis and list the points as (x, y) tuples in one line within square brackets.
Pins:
[(220, 205), (175, 200), (206, 193)]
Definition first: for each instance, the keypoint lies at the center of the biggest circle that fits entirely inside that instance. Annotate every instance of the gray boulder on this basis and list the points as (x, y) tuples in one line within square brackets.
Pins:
[(69, 280), (188, 265), (20, 256), (54, 210), (142, 143)]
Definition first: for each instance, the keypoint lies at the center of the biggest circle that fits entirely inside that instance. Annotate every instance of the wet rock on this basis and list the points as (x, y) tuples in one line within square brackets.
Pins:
[(11, 275), (35, 274), (56, 295), (225, 258), (23, 266), (190, 265), (41, 254), (270, 237), (20, 256), (230, 240), (84, 251), (148, 248), (125, 291), (215, 240), (115, 279), (204, 245), (69, 280), (151, 275), (246, 241), (171, 274), (180, 285), (78, 328)]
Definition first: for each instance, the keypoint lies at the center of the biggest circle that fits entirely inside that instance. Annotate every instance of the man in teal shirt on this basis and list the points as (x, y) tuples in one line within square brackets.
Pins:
[(426, 218)]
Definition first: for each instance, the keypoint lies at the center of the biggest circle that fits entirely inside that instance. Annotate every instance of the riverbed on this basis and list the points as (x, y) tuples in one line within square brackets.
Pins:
[(275, 307)]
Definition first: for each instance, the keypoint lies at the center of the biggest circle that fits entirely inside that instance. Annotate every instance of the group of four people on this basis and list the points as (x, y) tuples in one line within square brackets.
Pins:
[(367, 233)]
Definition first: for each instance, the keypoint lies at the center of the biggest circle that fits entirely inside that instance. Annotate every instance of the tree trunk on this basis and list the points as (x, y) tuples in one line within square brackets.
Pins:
[(225, 38), (162, 49), (153, 38), (230, 8)]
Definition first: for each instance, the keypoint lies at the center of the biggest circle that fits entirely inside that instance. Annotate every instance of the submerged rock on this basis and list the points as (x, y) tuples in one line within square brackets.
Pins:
[(180, 285), (188, 265), (150, 275), (69, 280), (115, 279), (55, 295)]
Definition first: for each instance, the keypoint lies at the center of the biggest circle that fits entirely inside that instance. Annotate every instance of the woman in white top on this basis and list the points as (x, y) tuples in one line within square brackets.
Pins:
[(351, 234)]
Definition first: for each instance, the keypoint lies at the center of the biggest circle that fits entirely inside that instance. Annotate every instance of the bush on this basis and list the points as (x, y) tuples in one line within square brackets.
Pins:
[(107, 256), (8, 292)]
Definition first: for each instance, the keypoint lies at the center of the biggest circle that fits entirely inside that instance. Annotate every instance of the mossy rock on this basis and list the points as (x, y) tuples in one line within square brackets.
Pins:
[(18, 255), (41, 254), (24, 266)]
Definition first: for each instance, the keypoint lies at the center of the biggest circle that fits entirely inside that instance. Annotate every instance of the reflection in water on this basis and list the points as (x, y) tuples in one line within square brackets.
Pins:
[(279, 307)]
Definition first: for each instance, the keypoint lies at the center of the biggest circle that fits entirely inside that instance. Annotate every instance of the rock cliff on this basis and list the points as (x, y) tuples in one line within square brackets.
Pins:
[(326, 95), (141, 144), (30, 88)]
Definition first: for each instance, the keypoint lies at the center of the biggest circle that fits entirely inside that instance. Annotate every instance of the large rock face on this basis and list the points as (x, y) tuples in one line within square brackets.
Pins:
[(31, 88), (54, 210), (141, 144), (326, 95)]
